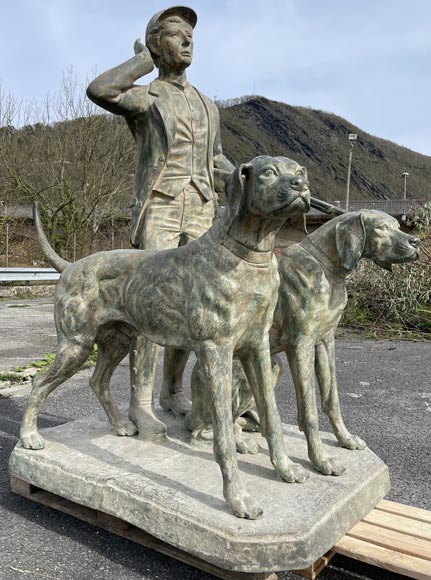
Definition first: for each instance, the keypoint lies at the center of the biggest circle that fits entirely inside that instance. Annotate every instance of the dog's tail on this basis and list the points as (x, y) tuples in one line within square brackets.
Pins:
[(51, 256)]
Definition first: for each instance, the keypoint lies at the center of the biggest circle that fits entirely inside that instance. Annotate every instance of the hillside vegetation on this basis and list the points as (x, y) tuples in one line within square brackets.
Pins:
[(319, 141), (81, 166)]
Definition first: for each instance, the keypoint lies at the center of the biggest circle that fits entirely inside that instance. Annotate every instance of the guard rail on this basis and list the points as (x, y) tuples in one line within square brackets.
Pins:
[(28, 274)]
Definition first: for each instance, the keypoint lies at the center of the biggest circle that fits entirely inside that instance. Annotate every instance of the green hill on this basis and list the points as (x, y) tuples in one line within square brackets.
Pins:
[(93, 157), (319, 141)]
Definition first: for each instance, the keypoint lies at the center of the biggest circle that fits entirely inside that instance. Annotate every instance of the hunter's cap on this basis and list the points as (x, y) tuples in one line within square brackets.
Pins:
[(184, 12)]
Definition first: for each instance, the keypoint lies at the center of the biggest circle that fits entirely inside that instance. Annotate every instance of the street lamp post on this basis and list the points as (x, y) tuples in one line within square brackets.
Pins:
[(405, 175), (352, 138)]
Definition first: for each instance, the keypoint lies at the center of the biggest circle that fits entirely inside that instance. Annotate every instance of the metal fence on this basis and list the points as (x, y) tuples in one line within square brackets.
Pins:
[(17, 211), (390, 206), (28, 274)]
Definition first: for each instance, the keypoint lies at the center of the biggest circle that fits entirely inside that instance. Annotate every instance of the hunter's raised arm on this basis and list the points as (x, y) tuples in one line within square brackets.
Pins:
[(114, 90)]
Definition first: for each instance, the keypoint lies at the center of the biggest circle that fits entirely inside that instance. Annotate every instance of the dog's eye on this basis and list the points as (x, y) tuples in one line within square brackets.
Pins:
[(269, 172), (383, 227)]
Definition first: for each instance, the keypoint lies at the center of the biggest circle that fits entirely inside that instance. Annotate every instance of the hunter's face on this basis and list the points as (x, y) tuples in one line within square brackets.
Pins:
[(176, 44)]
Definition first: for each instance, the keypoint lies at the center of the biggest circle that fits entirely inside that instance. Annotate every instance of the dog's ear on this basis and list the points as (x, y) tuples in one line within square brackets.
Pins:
[(305, 172), (350, 239), (236, 186)]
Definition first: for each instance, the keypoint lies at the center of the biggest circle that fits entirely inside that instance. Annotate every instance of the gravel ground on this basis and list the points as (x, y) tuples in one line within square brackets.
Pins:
[(385, 392)]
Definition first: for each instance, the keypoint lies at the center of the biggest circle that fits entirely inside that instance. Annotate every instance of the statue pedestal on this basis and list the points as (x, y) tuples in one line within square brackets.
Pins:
[(173, 491)]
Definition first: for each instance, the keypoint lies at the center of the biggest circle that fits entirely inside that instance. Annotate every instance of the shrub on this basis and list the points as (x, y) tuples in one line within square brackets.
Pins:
[(395, 303)]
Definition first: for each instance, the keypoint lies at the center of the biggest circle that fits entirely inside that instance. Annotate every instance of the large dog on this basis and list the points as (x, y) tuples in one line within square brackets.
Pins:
[(312, 298), (215, 296)]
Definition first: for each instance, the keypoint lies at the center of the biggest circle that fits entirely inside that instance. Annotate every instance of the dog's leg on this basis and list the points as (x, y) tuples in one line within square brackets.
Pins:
[(247, 418), (143, 362), (242, 399), (257, 367), (68, 360), (217, 364), (244, 445), (112, 347), (172, 397), (199, 420), (327, 379), (301, 362)]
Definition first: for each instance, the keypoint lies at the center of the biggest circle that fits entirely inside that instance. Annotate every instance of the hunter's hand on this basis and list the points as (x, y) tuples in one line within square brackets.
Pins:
[(139, 46)]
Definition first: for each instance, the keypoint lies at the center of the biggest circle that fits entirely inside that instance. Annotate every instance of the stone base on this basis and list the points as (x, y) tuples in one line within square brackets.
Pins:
[(173, 491)]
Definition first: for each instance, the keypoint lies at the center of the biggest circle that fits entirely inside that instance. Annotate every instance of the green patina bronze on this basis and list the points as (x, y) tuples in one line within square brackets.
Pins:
[(311, 299), (209, 285), (215, 296), (180, 168)]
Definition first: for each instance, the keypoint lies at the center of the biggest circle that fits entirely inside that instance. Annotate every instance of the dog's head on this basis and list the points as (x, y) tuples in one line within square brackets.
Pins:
[(269, 187), (374, 235)]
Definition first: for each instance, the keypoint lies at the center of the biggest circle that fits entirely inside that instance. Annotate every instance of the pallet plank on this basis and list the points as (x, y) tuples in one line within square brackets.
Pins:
[(384, 558), (20, 487), (407, 511), (314, 570), (399, 524), (403, 543)]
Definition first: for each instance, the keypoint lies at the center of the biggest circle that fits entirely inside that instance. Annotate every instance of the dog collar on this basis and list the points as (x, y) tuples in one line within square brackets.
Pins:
[(322, 258), (240, 250)]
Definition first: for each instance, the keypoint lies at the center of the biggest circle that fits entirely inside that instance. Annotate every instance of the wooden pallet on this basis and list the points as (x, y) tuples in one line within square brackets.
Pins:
[(392, 536), (126, 530)]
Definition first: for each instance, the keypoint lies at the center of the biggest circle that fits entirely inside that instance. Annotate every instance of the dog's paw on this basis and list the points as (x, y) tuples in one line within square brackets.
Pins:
[(249, 421), (146, 422), (178, 404), (246, 508), (32, 441), (247, 446), (353, 442), (240, 502), (126, 429), (293, 473), (328, 466)]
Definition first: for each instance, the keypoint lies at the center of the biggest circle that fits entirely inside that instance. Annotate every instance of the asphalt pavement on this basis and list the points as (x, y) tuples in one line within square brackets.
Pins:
[(385, 393)]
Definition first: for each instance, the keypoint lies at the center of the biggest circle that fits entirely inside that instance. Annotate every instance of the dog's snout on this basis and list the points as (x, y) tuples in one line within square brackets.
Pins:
[(298, 183), (414, 241)]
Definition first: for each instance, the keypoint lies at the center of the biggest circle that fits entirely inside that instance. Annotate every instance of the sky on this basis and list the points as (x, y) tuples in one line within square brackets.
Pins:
[(368, 61)]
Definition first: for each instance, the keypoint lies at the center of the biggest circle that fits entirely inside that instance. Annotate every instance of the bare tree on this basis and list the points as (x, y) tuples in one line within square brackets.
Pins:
[(73, 160)]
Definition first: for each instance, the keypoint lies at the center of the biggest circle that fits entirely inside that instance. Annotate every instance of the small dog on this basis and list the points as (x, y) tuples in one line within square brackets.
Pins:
[(215, 296), (311, 300)]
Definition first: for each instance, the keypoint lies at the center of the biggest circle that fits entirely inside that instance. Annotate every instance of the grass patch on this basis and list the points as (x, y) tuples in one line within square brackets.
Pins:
[(45, 361), (42, 364), (11, 377), (19, 305), (91, 361)]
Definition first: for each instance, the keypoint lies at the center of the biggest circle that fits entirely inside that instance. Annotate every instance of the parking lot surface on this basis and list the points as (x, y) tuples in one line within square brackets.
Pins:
[(385, 393)]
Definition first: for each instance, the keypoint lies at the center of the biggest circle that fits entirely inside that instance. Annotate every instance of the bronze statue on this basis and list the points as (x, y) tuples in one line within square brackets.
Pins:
[(180, 166), (311, 301), (215, 296)]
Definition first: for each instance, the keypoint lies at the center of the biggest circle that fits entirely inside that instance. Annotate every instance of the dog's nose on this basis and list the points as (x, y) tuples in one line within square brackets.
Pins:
[(414, 242), (298, 183)]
